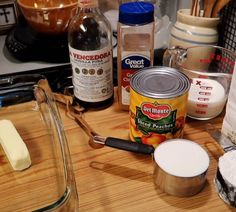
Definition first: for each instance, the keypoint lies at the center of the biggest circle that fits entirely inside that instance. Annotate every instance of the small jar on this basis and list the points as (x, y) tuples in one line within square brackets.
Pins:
[(191, 30), (135, 45)]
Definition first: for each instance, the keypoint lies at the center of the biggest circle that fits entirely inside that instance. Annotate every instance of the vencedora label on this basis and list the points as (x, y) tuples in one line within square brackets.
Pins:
[(129, 65), (92, 74)]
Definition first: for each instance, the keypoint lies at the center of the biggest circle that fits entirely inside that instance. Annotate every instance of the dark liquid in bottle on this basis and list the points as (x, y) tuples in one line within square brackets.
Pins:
[(88, 40)]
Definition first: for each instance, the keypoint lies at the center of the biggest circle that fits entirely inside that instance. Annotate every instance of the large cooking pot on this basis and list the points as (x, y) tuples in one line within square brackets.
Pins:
[(50, 17)]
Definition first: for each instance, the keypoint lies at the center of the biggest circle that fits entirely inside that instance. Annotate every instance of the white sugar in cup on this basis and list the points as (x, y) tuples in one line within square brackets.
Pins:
[(180, 167), (206, 99), (213, 66)]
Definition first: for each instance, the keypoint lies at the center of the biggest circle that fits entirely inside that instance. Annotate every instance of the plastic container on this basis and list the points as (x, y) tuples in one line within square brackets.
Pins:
[(48, 184), (135, 44)]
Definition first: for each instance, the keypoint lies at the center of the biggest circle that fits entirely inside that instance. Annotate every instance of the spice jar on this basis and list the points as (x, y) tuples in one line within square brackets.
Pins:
[(190, 30), (135, 44)]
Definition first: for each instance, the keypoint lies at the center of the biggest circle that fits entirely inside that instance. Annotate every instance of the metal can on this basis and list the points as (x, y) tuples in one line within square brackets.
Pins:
[(158, 104)]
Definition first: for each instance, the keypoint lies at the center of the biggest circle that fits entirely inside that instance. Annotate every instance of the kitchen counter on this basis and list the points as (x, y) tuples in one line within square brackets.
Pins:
[(114, 180), (107, 179)]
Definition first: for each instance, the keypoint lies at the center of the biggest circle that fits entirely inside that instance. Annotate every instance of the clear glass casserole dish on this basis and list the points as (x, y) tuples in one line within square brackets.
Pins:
[(48, 184)]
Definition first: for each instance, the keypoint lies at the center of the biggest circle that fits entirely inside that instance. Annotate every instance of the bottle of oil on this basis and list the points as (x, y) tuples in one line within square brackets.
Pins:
[(135, 44), (90, 47)]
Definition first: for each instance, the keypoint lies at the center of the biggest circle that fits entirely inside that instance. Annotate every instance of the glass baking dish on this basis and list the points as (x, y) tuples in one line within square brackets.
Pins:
[(48, 184)]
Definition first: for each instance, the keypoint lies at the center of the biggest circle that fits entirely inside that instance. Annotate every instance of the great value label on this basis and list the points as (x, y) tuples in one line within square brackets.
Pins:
[(131, 62)]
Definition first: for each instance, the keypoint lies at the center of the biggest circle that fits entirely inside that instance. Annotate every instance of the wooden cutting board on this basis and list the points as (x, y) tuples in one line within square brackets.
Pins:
[(115, 180)]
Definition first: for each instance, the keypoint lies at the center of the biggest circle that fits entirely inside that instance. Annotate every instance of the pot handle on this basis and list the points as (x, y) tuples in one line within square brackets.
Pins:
[(124, 144), (171, 56)]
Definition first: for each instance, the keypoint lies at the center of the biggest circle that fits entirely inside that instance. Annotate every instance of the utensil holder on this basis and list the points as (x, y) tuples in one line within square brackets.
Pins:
[(190, 30)]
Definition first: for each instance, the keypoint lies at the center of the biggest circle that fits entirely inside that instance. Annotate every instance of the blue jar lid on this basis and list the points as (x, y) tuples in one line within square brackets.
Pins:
[(133, 13)]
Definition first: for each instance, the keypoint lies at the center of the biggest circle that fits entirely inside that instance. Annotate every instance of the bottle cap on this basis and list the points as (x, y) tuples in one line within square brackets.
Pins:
[(133, 13)]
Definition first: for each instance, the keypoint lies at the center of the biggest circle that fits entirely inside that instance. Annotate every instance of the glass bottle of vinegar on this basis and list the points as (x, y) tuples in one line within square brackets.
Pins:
[(135, 44), (90, 48)]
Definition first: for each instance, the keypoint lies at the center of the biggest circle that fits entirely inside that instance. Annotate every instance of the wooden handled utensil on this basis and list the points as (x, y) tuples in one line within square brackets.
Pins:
[(194, 8), (218, 6), (96, 140), (208, 6)]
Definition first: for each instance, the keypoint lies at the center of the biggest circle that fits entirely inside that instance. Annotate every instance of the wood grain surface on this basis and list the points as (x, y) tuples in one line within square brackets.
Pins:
[(38, 185), (113, 180), (118, 181)]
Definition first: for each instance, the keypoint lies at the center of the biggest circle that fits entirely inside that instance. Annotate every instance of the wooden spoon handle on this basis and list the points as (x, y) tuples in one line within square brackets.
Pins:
[(198, 9), (194, 12), (208, 6), (192, 8), (218, 6)]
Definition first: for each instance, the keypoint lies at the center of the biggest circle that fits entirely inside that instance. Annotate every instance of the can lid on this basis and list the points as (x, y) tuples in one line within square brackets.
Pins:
[(160, 82), (133, 13)]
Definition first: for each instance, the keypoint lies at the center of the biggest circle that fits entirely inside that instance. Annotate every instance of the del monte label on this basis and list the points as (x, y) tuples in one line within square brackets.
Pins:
[(155, 111)]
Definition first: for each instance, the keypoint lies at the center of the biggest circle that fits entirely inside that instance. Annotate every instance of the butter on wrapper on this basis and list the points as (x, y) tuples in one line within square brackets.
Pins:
[(13, 146)]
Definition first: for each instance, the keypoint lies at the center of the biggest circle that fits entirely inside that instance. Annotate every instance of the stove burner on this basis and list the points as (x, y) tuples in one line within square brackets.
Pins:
[(26, 45)]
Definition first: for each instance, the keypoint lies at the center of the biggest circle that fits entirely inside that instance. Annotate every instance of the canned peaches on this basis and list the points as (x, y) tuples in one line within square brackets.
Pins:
[(158, 104)]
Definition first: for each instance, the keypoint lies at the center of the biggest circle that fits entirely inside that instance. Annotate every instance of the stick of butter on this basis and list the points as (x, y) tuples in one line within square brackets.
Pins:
[(13, 146)]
